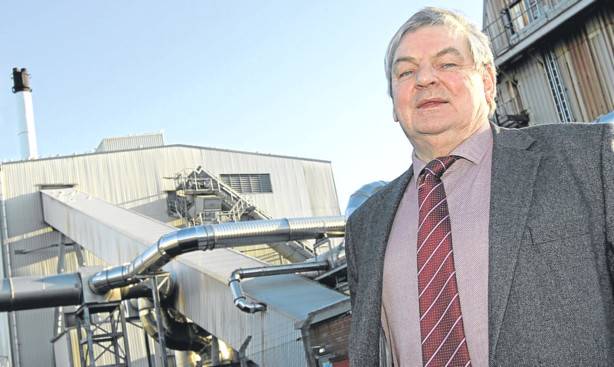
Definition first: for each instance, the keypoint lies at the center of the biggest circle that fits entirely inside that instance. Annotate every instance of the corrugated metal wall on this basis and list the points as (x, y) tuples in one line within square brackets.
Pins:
[(533, 88), (133, 180), (584, 52), (131, 142), (586, 59)]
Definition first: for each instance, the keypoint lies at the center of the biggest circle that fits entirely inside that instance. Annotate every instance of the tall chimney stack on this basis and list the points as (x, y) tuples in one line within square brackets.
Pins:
[(25, 114)]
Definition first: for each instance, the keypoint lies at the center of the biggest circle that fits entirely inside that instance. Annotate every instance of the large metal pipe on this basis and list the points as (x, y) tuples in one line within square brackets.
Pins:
[(179, 333), (234, 282), (212, 236), (25, 293), (28, 293)]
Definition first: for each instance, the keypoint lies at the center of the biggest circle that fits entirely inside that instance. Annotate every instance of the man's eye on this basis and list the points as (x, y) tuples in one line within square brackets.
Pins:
[(448, 65), (406, 74)]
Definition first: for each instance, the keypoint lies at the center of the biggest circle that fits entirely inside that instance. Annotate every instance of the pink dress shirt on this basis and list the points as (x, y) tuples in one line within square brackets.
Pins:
[(467, 185)]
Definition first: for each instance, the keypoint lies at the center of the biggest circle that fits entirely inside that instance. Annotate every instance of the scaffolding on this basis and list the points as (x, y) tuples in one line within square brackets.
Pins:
[(101, 331)]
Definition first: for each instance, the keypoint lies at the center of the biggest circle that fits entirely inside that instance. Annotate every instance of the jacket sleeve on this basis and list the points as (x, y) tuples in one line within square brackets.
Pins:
[(351, 262), (607, 173)]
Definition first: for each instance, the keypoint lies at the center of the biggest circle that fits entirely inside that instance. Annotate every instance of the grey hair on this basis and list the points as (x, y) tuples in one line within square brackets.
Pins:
[(479, 45)]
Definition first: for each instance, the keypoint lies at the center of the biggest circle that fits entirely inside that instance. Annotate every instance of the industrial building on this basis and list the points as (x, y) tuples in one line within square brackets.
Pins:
[(147, 254), (554, 59)]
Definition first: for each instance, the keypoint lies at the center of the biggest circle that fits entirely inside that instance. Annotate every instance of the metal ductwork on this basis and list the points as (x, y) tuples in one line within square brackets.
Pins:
[(144, 289), (126, 281), (234, 282), (211, 236), (179, 333), (26, 293)]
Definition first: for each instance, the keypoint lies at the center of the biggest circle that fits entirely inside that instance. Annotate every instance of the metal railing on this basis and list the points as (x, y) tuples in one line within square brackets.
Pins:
[(517, 19), (200, 180), (511, 113)]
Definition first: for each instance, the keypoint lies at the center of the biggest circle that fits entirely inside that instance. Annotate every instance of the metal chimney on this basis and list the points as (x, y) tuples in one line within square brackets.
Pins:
[(25, 114)]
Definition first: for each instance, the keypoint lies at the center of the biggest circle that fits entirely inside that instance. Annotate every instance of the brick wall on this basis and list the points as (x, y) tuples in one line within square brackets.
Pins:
[(332, 334)]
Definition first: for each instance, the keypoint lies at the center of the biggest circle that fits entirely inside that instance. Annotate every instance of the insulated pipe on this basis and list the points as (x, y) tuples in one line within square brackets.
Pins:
[(179, 333), (234, 282), (28, 293), (25, 293), (211, 236), (166, 286)]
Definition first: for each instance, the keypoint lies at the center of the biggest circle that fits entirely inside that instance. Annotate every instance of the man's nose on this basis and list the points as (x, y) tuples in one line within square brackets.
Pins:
[(426, 76)]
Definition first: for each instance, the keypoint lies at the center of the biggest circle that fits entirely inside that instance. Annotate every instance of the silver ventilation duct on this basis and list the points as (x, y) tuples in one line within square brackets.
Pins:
[(234, 282), (26, 293), (213, 236), (179, 333)]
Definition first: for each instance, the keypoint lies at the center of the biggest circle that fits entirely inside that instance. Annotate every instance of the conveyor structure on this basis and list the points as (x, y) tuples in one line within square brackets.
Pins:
[(196, 288)]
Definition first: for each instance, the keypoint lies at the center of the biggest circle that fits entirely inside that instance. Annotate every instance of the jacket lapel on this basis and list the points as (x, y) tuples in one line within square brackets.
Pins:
[(514, 170), (387, 210)]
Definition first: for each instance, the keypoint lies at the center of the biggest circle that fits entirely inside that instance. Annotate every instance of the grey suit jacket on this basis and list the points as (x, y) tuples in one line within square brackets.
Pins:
[(550, 292)]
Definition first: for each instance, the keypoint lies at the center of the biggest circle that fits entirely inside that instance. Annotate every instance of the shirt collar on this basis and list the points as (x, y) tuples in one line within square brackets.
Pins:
[(473, 149)]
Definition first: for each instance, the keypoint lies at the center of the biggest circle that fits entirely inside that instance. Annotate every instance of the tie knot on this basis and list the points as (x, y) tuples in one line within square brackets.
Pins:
[(438, 166)]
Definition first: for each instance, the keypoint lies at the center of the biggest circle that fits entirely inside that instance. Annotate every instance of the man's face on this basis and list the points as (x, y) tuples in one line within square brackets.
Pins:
[(437, 93)]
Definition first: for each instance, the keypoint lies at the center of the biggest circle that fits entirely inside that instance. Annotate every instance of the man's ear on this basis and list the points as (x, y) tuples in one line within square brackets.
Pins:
[(490, 83), (394, 111)]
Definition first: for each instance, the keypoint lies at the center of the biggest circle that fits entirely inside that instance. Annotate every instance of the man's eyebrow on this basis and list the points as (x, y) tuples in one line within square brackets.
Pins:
[(446, 51), (449, 50), (404, 59)]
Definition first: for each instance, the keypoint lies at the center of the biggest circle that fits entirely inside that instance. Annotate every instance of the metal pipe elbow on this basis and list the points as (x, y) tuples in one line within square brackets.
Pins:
[(234, 282), (249, 307)]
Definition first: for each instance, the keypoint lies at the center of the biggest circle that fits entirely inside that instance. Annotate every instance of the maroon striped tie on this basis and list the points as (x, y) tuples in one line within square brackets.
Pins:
[(441, 321)]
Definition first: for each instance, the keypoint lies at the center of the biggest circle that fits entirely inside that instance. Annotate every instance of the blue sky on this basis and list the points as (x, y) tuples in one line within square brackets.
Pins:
[(294, 78)]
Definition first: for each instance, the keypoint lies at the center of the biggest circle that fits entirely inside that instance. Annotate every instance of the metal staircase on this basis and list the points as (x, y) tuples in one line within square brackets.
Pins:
[(199, 197)]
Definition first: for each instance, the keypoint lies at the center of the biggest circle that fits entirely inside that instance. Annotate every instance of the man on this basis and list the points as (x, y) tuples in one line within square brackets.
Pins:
[(528, 273)]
